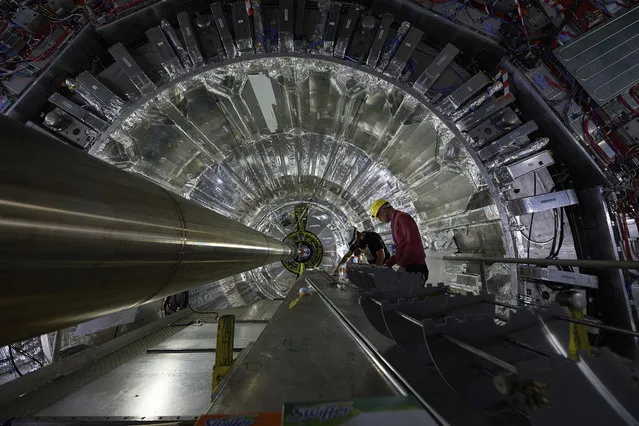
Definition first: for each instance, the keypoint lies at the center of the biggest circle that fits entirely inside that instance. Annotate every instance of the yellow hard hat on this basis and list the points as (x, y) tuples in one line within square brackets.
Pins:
[(377, 204)]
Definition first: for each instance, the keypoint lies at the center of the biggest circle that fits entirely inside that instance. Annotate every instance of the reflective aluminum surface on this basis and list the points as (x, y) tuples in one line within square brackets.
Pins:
[(252, 139)]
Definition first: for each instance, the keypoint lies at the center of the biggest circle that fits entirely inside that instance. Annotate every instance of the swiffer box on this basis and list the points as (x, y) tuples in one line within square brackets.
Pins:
[(257, 419), (394, 410)]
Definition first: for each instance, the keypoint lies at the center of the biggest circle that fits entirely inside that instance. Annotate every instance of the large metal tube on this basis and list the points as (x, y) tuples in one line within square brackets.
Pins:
[(80, 238)]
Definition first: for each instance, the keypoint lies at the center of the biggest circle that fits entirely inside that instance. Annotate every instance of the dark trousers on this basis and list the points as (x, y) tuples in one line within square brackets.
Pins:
[(418, 269)]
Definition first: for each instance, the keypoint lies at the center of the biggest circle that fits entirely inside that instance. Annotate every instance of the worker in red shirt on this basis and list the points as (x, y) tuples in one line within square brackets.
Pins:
[(409, 254)]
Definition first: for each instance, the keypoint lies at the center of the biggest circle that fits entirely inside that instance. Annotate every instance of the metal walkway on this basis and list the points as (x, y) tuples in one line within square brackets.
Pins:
[(327, 349), (157, 377), (304, 354)]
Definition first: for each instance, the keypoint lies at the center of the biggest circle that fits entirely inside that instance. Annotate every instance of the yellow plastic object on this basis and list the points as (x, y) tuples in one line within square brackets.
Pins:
[(295, 301), (578, 336), (304, 291), (377, 204), (223, 349)]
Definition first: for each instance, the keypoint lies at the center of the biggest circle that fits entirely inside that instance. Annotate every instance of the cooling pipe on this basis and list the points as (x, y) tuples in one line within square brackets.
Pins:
[(80, 238)]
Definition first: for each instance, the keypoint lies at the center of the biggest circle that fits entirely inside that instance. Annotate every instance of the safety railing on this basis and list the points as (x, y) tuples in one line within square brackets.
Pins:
[(578, 263)]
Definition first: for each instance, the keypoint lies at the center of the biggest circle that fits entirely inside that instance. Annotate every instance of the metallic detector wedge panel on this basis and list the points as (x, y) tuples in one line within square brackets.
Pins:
[(436, 68), (331, 28), (467, 90), (513, 171), (242, 28), (78, 112), (389, 50), (605, 60), (100, 94), (286, 22), (489, 107), (346, 31), (212, 48), (404, 52), (286, 16), (493, 127), (170, 62), (515, 139), (540, 203), (380, 40), (223, 29), (190, 39), (299, 18), (558, 276), (176, 44), (131, 68)]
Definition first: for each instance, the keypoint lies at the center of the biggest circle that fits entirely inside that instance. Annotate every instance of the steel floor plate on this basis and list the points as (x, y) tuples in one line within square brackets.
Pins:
[(147, 386), (304, 354), (203, 337)]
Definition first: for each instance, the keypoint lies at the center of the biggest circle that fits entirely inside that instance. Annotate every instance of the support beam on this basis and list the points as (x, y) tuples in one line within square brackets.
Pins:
[(80, 238)]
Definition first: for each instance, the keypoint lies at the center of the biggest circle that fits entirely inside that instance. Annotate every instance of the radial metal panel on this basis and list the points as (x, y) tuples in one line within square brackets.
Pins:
[(467, 90), (346, 31), (102, 95), (538, 203), (176, 44), (170, 62), (558, 276), (190, 39), (436, 68), (514, 139), (223, 29), (534, 162), (287, 25), (405, 50), (299, 18), (212, 48), (380, 40), (241, 27), (331, 28), (484, 111), (131, 68), (605, 60)]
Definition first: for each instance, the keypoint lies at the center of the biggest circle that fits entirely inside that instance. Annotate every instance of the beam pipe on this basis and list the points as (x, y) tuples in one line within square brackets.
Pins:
[(80, 238)]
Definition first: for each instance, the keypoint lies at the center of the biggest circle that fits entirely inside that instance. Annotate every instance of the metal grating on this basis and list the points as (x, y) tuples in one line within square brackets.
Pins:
[(605, 61)]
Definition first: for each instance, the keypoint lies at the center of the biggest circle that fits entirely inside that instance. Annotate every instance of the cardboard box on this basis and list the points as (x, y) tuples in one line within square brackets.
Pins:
[(256, 419), (394, 410)]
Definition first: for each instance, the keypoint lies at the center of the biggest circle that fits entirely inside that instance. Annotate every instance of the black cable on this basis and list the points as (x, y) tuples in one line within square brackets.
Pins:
[(203, 312), (13, 362), (20, 351), (561, 232), (554, 237), (532, 216), (555, 250), (535, 241)]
